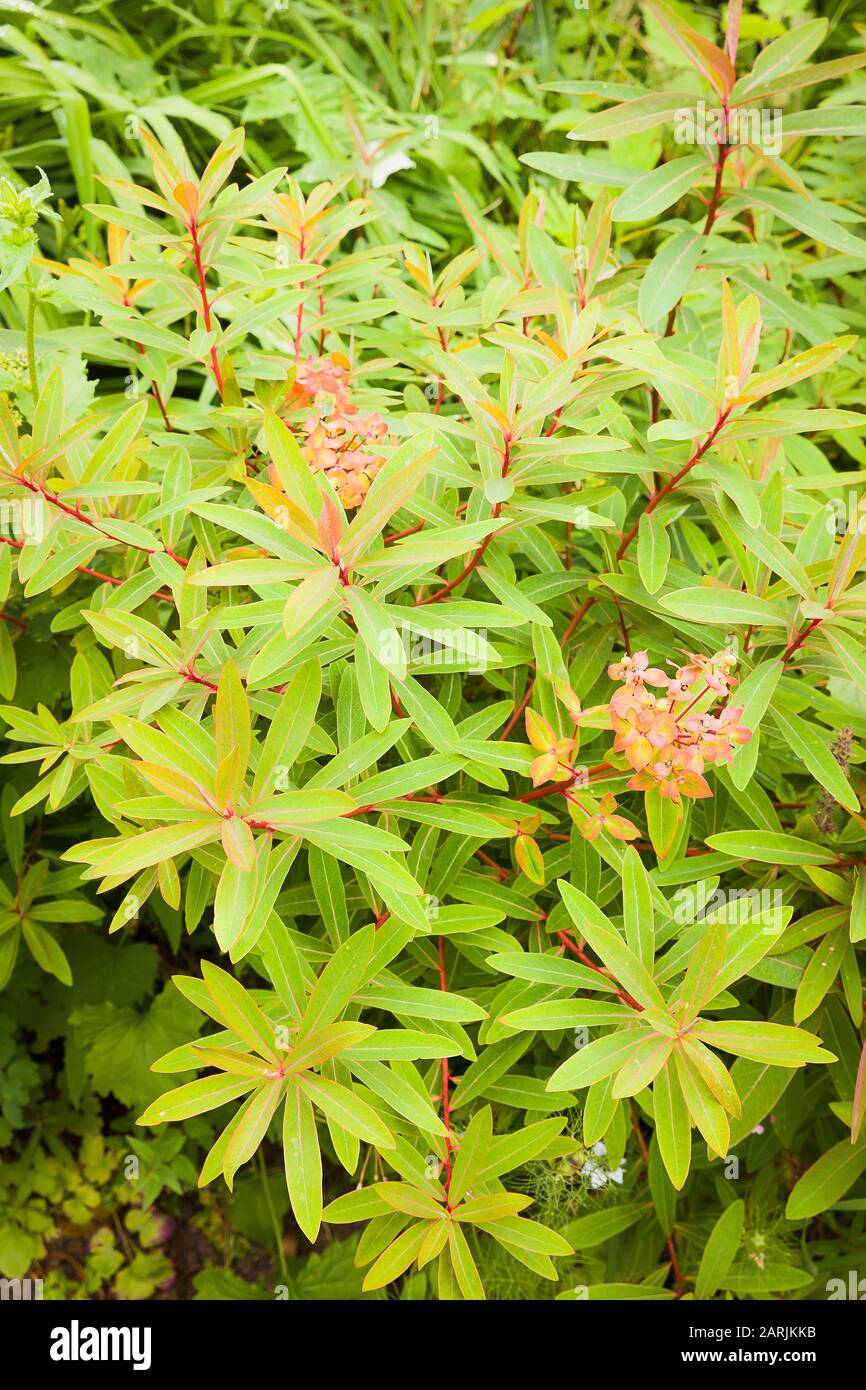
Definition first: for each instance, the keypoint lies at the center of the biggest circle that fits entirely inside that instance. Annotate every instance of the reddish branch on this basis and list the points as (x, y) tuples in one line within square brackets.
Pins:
[(476, 559), (716, 195), (501, 872), (570, 944), (479, 554), (518, 711), (154, 389), (299, 324), (205, 301), (576, 617), (796, 642), (94, 574), (677, 478), (401, 535), (562, 788), (712, 212), (77, 514), (190, 675)]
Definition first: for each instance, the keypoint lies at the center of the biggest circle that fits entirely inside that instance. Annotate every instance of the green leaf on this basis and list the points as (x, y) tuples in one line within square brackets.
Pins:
[(289, 730), (720, 1250), (122, 858), (668, 276), (377, 631), (195, 1099), (46, 951), (769, 847), (820, 973), (343, 975), (239, 1011), (781, 56), (718, 605), (763, 1042), (637, 904), (548, 970), (630, 117), (822, 1186), (303, 1161), (399, 1094), (672, 1126), (595, 1061), (472, 1154), (642, 1067), (251, 1130), (464, 1266), (705, 1111), (350, 1112), (810, 747), (808, 215), (626, 967), (589, 1231), (397, 1258), (294, 473), (657, 190), (653, 552)]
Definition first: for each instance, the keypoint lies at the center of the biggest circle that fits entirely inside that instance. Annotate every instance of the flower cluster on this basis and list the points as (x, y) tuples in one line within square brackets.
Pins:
[(340, 447), (336, 438), (669, 738), (322, 383)]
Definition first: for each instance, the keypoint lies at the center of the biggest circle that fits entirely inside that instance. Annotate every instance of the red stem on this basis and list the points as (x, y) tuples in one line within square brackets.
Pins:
[(55, 501), (571, 945), (552, 788), (675, 480), (479, 554), (800, 638), (205, 302), (95, 574)]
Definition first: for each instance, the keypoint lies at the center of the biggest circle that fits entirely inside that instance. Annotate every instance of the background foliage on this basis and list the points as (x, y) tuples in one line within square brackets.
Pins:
[(432, 577)]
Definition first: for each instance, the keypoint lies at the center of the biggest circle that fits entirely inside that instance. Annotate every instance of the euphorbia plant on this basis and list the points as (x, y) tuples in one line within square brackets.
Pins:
[(363, 517)]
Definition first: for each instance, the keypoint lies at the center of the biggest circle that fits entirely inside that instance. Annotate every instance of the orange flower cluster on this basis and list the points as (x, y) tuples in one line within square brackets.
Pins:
[(340, 447), (323, 383), (336, 439), (668, 739)]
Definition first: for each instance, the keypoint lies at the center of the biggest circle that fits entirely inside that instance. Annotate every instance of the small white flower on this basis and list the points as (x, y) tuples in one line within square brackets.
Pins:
[(598, 1175)]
